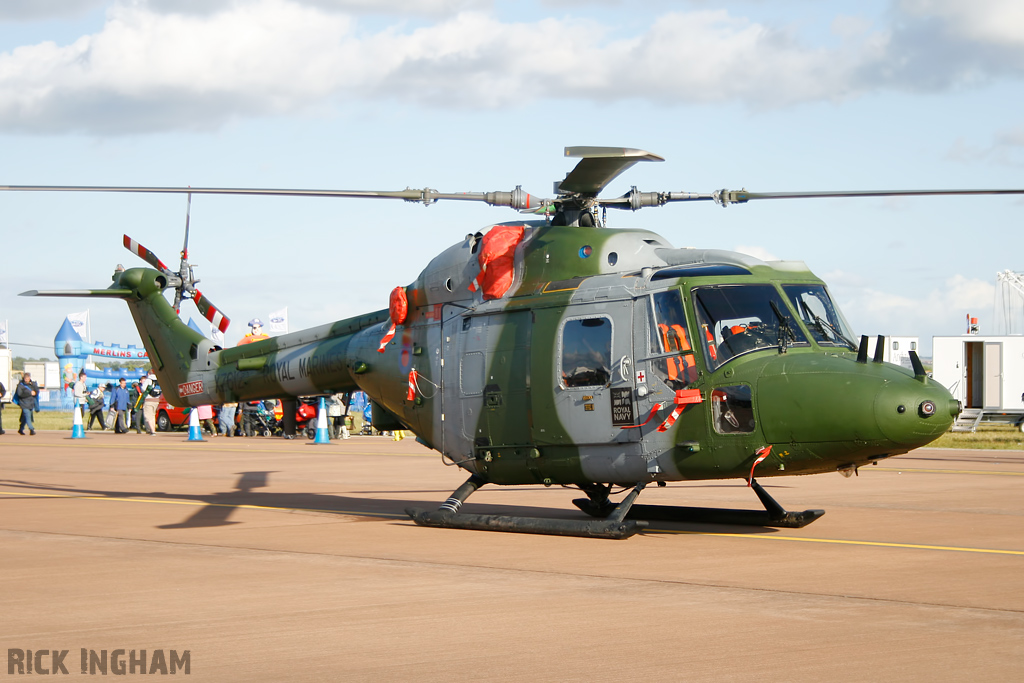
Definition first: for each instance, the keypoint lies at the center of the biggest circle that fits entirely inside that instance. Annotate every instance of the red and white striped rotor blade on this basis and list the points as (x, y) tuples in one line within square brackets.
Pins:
[(145, 254), (210, 312)]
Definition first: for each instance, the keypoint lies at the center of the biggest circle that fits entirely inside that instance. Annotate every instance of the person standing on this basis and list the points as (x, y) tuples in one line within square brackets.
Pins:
[(81, 394), (139, 395), (250, 423), (96, 407), (356, 404), (27, 393), (336, 414), (3, 392), (226, 419), (206, 418), (151, 404), (119, 404), (111, 410)]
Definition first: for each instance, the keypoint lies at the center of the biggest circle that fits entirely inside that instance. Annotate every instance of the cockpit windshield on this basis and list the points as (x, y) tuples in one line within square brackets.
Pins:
[(738, 319), (821, 316)]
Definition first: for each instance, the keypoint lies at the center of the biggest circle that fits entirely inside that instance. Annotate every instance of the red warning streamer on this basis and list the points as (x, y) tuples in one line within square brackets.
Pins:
[(386, 338), (761, 454), (655, 408), (398, 309)]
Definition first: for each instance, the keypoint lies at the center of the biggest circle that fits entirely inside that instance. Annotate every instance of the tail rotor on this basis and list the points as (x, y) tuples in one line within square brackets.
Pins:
[(184, 280)]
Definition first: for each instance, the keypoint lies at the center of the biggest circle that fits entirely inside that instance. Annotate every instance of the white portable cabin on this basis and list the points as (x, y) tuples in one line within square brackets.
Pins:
[(897, 349), (983, 372)]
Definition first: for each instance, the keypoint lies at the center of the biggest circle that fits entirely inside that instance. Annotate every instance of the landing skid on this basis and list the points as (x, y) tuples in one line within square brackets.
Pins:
[(774, 515), (613, 521), (614, 525)]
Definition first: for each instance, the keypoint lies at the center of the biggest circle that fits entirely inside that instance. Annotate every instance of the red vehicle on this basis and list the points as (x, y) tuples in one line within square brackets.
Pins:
[(169, 417)]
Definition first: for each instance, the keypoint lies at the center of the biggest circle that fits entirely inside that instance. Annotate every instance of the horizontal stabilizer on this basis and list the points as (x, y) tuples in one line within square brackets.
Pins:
[(93, 293)]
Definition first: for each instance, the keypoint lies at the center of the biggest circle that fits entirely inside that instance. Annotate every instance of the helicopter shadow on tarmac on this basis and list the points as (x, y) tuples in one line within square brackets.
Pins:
[(217, 508)]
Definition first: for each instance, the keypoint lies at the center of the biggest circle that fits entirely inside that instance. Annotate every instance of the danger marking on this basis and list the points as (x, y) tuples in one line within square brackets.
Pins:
[(190, 388)]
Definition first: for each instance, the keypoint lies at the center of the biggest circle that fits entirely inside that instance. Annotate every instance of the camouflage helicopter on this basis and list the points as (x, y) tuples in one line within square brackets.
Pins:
[(556, 351)]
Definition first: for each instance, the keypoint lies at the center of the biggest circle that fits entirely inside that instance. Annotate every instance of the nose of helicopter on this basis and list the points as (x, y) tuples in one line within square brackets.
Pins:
[(913, 412), (811, 399)]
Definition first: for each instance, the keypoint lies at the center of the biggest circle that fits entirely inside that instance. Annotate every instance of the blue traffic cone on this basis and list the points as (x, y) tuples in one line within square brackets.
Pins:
[(77, 429), (194, 432), (321, 424)]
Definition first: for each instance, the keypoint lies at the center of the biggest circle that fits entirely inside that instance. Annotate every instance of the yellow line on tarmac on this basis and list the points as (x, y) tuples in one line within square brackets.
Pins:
[(837, 541), (911, 470), (122, 499), (149, 446), (388, 515)]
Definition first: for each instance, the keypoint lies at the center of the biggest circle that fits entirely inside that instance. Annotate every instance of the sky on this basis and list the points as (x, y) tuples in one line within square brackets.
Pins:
[(482, 95)]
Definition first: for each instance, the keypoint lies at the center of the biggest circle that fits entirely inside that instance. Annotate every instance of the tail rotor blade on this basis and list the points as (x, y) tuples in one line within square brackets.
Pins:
[(188, 215), (210, 312), (145, 254)]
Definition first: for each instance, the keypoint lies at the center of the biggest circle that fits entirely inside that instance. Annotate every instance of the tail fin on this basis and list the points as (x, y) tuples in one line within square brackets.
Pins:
[(172, 346)]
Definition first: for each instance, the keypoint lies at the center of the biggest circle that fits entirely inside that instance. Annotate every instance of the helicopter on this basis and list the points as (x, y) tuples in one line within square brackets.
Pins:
[(553, 350)]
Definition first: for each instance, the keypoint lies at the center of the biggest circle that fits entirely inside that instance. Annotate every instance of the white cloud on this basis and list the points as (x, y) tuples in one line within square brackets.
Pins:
[(1007, 149), (999, 22), (34, 10), (158, 65), (938, 311), (384, 7), (756, 252)]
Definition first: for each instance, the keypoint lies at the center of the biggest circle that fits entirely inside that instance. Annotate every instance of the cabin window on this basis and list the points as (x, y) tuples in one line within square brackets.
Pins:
[(732, 409), (739, 319), (471, 373), (670, 338), (824, 321), (586, 352)]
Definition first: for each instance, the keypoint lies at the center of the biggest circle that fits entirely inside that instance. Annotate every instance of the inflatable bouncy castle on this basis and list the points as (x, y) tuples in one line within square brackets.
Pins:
[(72, 352)]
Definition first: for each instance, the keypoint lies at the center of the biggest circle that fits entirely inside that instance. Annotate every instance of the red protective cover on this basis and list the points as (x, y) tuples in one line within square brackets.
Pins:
[(497, 254), (398, 307)]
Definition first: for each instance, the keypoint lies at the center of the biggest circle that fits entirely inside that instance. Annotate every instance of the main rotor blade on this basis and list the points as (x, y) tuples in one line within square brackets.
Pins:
[(145, 254), (634, 199), (210, 312), (740, 196), (600, 166), (588, 182), (516, 199)]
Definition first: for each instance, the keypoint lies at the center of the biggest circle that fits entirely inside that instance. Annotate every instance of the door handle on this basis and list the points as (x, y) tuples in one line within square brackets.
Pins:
[(625, 363)]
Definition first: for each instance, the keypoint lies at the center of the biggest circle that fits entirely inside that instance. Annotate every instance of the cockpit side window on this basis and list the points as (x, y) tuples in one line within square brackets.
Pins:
[(732, 409), (738, 319), (587, 352), (820, 315), (670, 336)]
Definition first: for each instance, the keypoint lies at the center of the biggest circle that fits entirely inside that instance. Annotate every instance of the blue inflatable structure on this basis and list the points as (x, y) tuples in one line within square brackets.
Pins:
[(72, 352)]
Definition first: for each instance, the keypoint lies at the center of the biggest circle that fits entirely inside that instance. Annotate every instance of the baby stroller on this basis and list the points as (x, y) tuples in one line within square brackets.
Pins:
[(264, 421)]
